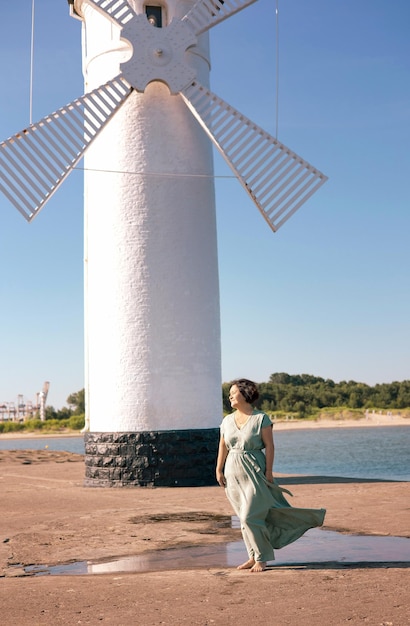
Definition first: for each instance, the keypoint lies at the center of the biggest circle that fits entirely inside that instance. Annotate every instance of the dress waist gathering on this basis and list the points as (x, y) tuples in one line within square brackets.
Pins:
[(239, 451)]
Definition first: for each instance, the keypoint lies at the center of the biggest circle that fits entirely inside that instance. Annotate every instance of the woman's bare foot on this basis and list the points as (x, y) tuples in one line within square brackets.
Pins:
[(247, 565), (259, 566)]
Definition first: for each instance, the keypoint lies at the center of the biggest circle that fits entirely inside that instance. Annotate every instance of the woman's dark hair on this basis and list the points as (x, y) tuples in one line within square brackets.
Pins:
[(248, 389)]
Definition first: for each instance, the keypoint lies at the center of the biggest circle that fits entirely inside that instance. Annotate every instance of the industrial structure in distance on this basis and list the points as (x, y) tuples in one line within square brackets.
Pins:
[(24, 410)]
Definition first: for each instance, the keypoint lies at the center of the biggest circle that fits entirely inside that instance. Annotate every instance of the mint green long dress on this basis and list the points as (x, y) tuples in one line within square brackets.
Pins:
[(267, 519)]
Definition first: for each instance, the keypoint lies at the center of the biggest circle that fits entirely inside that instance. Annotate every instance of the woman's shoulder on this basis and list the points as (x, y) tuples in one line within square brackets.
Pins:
[(263, 418), (227, 418)]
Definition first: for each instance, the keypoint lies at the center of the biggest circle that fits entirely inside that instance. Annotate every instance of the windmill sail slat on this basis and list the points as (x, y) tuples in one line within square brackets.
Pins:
[(285, 190), (54, 145), (35, 146), (27, 192), (40, 144), (274, 166), (296, 206), (245, 158), (37, 169), (251, 152), (279, 208), (63, 126), (56, 131), (207, 13), (92, 122), (23, 164), (17, 186), (271, 176), (211, 115), (23, 207), (221, 123), (118, 11), (96, 111), (275, 173), (237, 136)]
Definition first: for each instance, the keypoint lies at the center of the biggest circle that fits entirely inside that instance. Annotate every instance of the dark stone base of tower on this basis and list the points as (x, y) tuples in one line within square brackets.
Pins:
[(169, 458)]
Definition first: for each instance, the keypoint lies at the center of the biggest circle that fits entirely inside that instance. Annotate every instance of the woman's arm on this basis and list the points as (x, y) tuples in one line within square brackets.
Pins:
[(267, 438), (222, 454)]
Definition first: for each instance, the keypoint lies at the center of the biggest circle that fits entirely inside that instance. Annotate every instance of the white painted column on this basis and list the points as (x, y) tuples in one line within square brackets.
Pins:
[(151, 276)]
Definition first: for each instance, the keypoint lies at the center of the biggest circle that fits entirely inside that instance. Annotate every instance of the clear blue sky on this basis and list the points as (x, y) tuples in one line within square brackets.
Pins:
[(329, 293)]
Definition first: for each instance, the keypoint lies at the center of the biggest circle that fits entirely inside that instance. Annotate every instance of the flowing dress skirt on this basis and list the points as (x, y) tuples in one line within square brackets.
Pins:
[(267, 519)]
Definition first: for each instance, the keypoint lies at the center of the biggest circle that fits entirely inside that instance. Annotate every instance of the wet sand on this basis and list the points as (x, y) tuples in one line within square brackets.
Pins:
[(48, 517)]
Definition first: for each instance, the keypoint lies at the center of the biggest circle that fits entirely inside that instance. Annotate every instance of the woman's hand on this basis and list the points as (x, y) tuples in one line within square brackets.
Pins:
[(269, 476), (220, 478), (267, 438), (222, 454)]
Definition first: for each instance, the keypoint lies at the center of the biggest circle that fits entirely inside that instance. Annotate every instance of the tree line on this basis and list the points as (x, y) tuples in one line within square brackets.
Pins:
[(303, 395), (300, 395), (283, 395)]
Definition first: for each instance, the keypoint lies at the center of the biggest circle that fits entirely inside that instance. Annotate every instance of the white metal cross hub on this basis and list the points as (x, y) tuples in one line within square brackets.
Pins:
[(158, 54)]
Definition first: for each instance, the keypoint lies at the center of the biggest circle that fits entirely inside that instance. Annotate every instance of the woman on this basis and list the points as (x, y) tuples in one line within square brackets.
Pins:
[(267, 519)]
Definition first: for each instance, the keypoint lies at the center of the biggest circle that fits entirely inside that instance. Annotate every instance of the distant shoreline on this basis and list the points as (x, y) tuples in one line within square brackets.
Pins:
[(37, 434), (371, 421)]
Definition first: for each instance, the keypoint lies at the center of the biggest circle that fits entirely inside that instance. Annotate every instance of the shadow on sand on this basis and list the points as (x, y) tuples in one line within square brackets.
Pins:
[(320, 480)]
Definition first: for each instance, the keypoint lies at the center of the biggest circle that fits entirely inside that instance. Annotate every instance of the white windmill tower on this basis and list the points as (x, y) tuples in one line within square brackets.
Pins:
[(153, 381)]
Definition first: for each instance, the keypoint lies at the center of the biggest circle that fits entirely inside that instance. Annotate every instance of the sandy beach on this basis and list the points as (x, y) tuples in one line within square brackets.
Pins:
[(372, 420), (50, 518)]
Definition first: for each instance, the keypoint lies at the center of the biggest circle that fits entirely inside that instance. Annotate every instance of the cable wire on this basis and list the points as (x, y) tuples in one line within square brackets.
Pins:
[(31, 62), (277, 68), (156, 174)]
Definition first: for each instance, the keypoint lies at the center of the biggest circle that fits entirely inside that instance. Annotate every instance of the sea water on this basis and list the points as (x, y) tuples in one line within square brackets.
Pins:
[(370, 452), (359, 452)]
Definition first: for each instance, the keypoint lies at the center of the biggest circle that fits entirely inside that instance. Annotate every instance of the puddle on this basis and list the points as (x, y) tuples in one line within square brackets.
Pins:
[(315, 547)]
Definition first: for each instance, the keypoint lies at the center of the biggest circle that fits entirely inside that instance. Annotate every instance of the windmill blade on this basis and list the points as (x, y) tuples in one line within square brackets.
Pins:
[(277, 179), (34, 162), (118, 11), (206, 13)]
